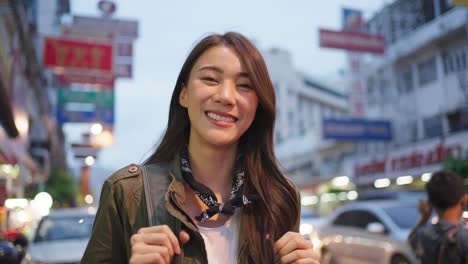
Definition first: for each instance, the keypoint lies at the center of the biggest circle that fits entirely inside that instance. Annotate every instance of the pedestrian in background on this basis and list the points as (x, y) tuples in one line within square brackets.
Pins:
[(226, 191), (447, 240)]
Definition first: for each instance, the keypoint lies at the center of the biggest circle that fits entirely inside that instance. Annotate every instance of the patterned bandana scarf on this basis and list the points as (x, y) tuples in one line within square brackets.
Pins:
[(236, 200)]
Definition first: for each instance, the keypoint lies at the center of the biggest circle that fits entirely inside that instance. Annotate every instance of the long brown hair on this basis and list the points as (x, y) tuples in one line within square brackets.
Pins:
[(277, 210)]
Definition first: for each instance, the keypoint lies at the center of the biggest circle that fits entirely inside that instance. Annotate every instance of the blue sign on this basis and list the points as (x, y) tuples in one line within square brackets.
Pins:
[(101, 115), (352, 19), (357, 129)]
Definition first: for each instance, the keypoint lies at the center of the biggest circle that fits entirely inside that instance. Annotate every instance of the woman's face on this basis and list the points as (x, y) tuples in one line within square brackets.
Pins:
[(220, 98)]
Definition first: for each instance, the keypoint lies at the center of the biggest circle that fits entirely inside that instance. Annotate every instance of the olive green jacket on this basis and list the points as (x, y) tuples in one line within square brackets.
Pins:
[(122, 212)]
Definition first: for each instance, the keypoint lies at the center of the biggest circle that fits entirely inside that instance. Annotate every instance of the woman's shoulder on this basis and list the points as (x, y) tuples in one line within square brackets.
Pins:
[(132, 171)]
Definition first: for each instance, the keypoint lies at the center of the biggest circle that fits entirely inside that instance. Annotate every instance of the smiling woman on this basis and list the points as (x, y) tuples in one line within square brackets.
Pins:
[(221, 196)]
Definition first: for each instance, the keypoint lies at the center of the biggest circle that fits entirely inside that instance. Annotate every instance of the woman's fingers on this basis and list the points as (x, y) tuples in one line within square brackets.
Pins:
[(150, 258), (155, 244), (291, 240), (293, 248), (300, 256), (168, 237)]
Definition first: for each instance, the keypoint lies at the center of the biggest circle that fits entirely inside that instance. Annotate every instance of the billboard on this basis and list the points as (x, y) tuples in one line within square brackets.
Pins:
[(357, 129), (85, 115), (72, 54), (352, 41), (122, 28), (101, 99), (121, 33), (102, 81)]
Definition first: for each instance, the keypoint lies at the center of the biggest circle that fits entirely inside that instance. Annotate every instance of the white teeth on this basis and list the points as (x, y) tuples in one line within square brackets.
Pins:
[(221, 118)]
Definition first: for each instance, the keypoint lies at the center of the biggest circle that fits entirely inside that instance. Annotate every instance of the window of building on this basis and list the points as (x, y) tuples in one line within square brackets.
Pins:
[(427, 71), (455, 60), (433, 126), (405, 81), (409, 132), (372, 92), (291, 118), (290, 93), (458, 121)]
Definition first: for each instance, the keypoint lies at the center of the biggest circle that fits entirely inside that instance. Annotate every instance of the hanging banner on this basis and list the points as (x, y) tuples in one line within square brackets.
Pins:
[(102, 81), (357, 129), (352, 41), (71, 54)]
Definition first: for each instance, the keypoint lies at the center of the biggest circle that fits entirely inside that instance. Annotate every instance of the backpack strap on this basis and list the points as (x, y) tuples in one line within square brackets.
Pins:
[(156, 181), (449, 237)]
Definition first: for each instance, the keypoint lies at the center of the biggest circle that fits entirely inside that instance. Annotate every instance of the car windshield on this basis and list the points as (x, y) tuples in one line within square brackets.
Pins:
[(404, 216), (62, 228)]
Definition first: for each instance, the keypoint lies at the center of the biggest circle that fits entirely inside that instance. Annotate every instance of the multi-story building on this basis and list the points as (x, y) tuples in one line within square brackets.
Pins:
[(302, 103), (420, 85), (28, 136)]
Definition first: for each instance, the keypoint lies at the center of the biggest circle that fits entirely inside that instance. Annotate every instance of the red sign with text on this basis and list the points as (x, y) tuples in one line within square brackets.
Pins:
[(352, 41), (78, 55)]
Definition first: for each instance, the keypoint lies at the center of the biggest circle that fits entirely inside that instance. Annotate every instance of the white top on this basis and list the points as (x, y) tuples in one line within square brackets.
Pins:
[(221, 242)]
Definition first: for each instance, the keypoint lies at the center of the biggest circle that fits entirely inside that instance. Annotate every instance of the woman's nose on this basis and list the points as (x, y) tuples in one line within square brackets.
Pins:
[(226, 93)]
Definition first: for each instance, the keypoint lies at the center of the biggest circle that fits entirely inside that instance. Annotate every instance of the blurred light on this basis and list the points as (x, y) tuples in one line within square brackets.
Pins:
[(21, 122), (96, 129), (426, 177), (342, 196), (14, 203), (465, 214), (44, 199), (39, 208), (89, 160), (382, 183), (305, 229), (22, 217), (352, 195), (7, 168), (309, 200), (91, 210), (104, 139), (89, 199), (402, 180), (80, 221), (340, 181), (434, 220), (328, 197)]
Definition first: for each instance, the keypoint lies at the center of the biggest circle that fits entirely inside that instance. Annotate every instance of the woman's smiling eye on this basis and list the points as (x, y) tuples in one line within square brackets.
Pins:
[(209, 79), (245, 85)]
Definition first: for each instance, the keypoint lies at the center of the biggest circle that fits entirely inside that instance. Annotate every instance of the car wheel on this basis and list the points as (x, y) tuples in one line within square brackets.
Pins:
[(327, 257), (399, 259)]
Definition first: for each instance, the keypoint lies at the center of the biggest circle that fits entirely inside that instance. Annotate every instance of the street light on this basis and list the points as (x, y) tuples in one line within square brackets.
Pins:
[(89, 161), (96, 129)]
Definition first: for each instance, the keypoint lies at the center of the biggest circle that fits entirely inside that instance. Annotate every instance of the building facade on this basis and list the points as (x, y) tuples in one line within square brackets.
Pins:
[(29, 138), (302, 103), (420, 85)]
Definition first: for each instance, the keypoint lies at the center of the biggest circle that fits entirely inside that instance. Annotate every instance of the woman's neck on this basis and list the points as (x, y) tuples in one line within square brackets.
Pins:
[(213, 167)]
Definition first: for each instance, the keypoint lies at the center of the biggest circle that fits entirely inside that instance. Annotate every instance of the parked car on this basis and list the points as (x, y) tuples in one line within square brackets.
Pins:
[(62, 236), (368, 232)]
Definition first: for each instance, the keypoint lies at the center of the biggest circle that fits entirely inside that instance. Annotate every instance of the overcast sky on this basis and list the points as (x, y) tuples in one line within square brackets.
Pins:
[(169, 29)]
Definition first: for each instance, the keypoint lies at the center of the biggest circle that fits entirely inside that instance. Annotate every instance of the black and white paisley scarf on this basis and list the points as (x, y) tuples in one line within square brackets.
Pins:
[(236, 200)]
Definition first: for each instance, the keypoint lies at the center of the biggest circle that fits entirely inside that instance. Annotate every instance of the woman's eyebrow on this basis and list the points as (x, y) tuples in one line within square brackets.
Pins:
[(212, 68), (219, 70)]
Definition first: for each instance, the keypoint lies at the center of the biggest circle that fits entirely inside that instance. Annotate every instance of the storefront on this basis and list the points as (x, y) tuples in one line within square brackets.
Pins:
[(408, 165)]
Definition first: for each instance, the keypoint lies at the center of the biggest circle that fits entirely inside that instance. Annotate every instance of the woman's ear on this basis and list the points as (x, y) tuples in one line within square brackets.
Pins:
[(183, 96)]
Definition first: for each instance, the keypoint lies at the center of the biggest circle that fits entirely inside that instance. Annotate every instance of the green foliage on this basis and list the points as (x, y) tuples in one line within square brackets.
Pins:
[(61, 187), (459, 166)]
